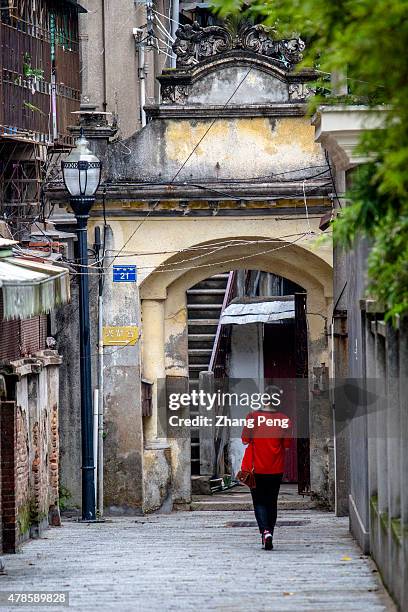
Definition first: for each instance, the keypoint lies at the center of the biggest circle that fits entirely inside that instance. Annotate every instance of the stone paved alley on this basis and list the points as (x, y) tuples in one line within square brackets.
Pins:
[(201, 561)]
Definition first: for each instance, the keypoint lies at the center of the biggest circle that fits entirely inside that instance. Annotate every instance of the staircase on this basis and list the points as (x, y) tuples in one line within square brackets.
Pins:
[(204, 303)]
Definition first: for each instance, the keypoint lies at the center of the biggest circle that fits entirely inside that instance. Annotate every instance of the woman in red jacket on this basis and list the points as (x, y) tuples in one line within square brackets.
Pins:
[(267, 436)]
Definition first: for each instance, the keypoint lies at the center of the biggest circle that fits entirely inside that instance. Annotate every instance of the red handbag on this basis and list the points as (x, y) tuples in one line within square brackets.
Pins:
[(247, 477)]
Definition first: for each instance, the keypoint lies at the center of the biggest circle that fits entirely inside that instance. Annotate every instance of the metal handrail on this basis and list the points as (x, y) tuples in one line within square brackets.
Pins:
[(217, 340)]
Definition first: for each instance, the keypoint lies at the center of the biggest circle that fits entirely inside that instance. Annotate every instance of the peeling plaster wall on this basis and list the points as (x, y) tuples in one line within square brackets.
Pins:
[(123, 445), (157, 479), (271, 146)]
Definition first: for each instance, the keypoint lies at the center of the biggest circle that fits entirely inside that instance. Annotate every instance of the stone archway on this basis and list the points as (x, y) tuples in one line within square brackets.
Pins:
[(164, 319)]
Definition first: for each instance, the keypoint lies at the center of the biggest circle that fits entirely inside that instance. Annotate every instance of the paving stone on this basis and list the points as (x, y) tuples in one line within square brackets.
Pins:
[(195, 561)]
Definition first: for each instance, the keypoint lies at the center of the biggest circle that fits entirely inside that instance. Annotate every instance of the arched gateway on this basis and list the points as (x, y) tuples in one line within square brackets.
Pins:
[(225, 176)]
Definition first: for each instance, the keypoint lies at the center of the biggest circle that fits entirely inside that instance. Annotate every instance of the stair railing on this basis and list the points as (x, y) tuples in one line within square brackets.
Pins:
[(217, 362)]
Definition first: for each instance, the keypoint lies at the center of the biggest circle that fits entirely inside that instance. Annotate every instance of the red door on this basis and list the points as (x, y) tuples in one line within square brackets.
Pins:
[(280, 369)]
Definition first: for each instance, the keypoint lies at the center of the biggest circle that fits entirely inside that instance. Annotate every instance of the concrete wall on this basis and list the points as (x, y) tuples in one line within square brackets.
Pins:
[(118, 90), (378, 453), (271, 146), (65, 330), (123, 445), (371, 426), (358, 431), (256, 86)]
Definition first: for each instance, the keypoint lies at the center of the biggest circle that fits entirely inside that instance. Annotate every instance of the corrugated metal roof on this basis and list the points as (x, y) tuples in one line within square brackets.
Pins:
[(30, 288), (260, 310)]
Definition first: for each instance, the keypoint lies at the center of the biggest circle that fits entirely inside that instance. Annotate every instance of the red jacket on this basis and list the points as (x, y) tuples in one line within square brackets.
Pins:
[(266, 442)]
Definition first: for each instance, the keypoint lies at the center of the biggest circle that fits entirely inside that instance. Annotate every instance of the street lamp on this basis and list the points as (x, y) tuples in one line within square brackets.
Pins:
[(81, 172)]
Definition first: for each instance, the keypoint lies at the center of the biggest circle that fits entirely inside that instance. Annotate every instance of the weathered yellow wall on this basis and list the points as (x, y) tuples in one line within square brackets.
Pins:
[(247, 146)]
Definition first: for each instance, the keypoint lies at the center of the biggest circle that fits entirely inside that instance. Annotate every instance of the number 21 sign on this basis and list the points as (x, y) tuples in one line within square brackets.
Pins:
[(124, 274)]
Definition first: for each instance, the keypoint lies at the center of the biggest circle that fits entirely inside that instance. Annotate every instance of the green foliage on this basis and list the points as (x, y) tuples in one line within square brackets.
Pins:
[(28, 515), (64, 497), (382, 219), (33, 108), (369, 39), (29, 71)]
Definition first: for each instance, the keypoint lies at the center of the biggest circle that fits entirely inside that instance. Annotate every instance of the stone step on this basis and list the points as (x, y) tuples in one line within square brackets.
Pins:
[(201, 337), (203, 306), (205, 291), (246, 505), (199, 351), (203, 322), (218, 279), (198, 366), (199, 360), (205, 299)]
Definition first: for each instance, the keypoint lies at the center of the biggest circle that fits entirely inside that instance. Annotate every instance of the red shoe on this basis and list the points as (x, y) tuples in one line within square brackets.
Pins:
[(267, 540)]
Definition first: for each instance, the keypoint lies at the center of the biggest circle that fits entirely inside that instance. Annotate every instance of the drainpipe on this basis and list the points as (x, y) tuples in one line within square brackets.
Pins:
[(54, 124), (95, 438), (98, 404), (138, 34), (105, 102), (175, 11)]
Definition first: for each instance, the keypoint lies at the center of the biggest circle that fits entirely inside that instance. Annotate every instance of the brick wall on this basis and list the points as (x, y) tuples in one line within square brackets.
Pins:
[(21, 337), (30, 449), (8, 423)]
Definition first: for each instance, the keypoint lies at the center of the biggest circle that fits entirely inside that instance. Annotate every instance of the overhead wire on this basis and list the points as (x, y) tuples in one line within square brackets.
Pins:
[(163, 29), (306, 209), (251, 179), (157, 268), (206, 266), (166, 16), (187, 159), (210, 245)]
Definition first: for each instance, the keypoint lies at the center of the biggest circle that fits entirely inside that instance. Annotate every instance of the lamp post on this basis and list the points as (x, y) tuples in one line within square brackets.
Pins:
[(81, 172)]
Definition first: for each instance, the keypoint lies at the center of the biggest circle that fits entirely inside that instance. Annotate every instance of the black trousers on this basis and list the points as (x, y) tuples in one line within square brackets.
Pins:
[(265, 500)]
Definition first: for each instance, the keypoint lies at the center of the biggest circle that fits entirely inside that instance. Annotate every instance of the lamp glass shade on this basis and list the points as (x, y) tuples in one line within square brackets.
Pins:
[(81, 170)]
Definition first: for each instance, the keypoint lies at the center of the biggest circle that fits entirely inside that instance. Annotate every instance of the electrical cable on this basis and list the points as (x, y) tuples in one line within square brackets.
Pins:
[(234, 242), (163, 29), (306, 209), (162, 15), (209, 265), (249, 199), (332, 179), (187, 159)]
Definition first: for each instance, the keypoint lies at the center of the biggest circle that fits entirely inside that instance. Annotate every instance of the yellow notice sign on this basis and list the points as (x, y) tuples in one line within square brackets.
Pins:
[(120, 335)]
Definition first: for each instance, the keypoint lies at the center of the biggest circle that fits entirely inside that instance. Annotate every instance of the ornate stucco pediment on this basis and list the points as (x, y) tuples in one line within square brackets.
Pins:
[(212, 63), (195, 44)]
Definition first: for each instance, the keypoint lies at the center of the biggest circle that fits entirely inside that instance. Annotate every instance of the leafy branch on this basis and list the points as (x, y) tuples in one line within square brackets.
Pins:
[(369, 38), (30, 72)]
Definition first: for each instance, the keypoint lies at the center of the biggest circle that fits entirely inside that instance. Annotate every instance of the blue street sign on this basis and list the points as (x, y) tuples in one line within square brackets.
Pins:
[(124, 274)]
